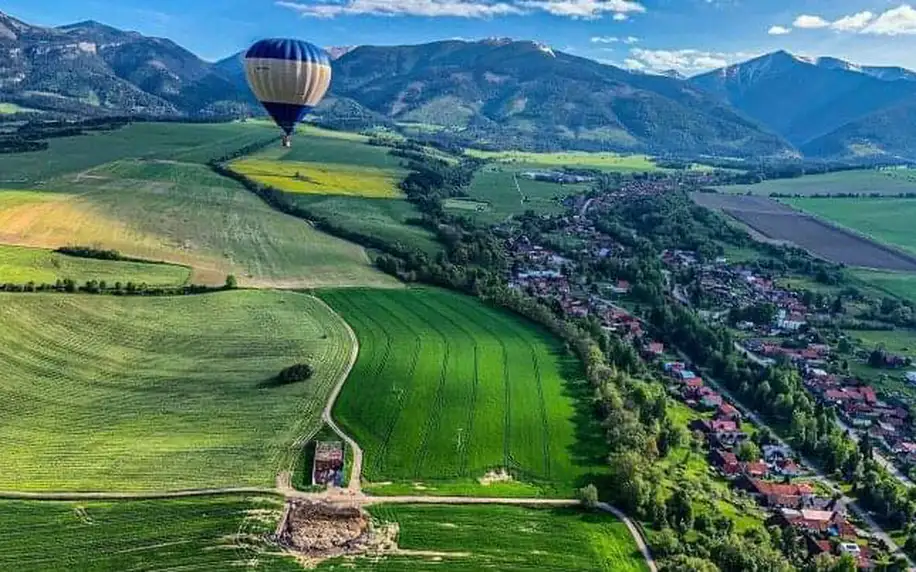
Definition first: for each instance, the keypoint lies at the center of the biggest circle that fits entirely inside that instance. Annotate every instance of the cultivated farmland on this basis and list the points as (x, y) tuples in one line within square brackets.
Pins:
[(211, 533), (148, 394), (20, 265), (322, 178), (473, 538), (446, 389), (506, 193), (780, 222), (603, 161), (184, 213), (861, 182)]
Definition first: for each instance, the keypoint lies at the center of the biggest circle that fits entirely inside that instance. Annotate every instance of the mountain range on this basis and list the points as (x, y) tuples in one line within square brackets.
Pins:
[(497, 93)]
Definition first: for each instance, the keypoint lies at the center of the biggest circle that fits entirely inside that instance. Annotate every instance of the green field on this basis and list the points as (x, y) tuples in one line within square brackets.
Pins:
[(186, 214), (899, 284), (146, 394), (446, 390), (20, 265), (604, 161), (10, 108), (211, 533), (888, 220), (504, 538), (496, 185), (323, 178), (195, 143), (865, 181)]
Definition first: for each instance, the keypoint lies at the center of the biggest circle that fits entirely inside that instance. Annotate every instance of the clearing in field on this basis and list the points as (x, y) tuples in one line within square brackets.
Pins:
[(185, 214), (602, 161), (861, 182), (887, 220), (196, 143), (150, 394), (210, 533), (21, 265), (447, 390), (473, 538), (323, 178)]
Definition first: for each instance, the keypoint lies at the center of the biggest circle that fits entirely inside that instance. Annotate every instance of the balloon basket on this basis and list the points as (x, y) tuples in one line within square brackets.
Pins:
[(287, 142)]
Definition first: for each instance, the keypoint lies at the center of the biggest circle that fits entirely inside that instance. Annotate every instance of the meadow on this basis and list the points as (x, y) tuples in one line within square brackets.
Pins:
[(21, 265), (863, 181), (322, 178), (899, 284), (446, 390), (103, 393), (185, 214), (475, 538), (208, 533), (612, 162), (197, 143), (887, 220), (506, 193)]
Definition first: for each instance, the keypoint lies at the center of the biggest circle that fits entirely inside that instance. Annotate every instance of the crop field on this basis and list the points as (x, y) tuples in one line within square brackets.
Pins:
[(474, 538), (330, 147), (185, 214), (779, 222), (209, 533), (508, 194), (21, 265), (603, 161), (151, 394), (900, 284), (887, 220), (448, 389), (323, 178), (862, 182), (197, 143)]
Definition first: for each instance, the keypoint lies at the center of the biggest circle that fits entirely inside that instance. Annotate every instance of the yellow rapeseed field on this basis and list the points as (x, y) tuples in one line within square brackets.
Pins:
[(323, 178)]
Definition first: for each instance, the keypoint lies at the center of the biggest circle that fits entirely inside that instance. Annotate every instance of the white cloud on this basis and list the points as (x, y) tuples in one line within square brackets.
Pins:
[(895, 22), (430, 8), (605, 39), (853, 22), (687, 62), (808, 22), (630, 40), (585, 9), (577, 9), (779, 31)]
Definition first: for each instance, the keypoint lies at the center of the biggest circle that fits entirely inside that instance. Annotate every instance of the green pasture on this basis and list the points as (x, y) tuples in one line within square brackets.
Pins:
[(21, 265), (887, 220), (612, 162), (447, 390), (102, 393), (507, 193), (862, 182), (476, 538), (208, 533)]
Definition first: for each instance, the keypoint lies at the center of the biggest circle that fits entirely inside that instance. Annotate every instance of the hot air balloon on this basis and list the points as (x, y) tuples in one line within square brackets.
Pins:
[(289, 78)]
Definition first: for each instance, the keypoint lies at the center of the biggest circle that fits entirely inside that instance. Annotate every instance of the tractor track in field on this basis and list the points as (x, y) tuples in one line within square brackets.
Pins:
[(435, 415)]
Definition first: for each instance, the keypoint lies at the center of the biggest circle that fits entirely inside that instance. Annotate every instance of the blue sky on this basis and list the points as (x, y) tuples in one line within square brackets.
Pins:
[(688, 35)]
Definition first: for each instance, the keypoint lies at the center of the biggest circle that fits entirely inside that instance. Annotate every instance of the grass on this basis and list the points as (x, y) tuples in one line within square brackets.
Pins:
[(11, 108), (887, 220), (495, 185), (603, 161), (210, 533), (898, 341), (323, 178), (474, 538), (20, 265), (446, 390), (150, 394), (197, 143), (185, 214), (864, 181), (899, 284)]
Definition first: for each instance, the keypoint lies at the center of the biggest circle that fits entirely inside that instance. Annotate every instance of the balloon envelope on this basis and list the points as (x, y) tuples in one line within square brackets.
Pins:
[(289, 78)]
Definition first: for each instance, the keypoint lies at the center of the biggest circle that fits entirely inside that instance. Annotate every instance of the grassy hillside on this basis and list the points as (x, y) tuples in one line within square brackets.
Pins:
[(197, 143), (864, 181), (887, 220), (183, 213), (180, 534), (474, 538), (159, 393), (20, 265), (446, 390)]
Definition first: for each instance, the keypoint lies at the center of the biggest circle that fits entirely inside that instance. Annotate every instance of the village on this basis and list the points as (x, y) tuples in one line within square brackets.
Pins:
[(778, 480)]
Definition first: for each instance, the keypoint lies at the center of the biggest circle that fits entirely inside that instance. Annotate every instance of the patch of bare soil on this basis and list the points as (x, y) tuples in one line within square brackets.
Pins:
[(500, 476), (316, 531)]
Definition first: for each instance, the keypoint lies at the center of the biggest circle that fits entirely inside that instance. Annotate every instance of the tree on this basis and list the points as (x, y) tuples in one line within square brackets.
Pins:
[(748, 452), (589, 496), (231, 282), (680, 510), (684, 563), (294, 373)]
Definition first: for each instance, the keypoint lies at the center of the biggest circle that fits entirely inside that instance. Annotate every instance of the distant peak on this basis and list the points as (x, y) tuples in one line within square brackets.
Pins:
[(90, 25)]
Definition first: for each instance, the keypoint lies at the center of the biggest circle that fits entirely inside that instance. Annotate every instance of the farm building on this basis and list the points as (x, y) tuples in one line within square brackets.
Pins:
[(327, 468)]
